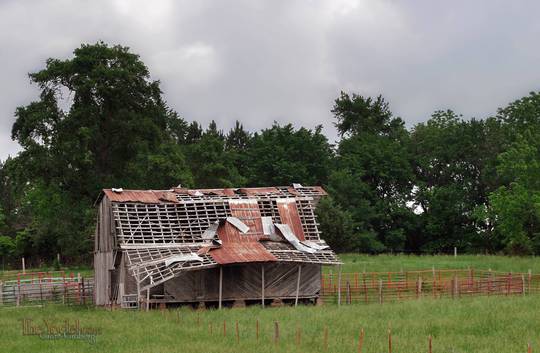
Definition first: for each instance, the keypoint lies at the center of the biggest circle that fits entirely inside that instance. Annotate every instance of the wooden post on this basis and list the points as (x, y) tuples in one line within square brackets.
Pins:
[(298, 285), (220, 287), (262, 286), (455, 251), (237, 333), (339, 286), (389, 341), (361, 341), (257, 330), (380, 292), (83, 291), (23, 266), (79, 287), (529, 281), (40, 289), (326, 338), (276, 332), (523, 284), (365, 287), (138, 290), (429, 345), (1, 293), (348, 299)]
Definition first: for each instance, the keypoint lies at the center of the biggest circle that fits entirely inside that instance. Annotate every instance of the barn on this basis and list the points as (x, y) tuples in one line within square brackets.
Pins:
[(209, 246)]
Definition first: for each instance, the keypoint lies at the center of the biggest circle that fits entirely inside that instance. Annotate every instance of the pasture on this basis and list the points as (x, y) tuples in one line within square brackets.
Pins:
[(473, 324)]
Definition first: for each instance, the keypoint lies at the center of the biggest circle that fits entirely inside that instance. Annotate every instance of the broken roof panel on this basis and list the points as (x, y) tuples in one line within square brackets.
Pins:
[(288, 212)]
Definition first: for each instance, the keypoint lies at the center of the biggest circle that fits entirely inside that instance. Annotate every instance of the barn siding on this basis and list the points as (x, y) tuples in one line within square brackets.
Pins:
[(244, 282)]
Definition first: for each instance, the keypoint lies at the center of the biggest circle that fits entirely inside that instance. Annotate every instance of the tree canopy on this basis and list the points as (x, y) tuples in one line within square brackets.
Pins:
[(100, 121)]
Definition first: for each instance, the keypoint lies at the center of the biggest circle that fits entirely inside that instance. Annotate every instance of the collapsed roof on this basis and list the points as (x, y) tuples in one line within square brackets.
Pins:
[(165, 232)]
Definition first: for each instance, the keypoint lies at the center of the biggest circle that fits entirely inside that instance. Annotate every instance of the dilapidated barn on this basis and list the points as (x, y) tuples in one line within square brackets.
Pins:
[(215, 246)]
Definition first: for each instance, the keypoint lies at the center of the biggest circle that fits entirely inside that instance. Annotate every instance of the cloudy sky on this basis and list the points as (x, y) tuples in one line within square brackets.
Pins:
[(260, 61)]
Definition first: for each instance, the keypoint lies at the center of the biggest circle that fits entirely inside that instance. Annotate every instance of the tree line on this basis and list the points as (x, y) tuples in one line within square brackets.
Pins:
[(100, 121)]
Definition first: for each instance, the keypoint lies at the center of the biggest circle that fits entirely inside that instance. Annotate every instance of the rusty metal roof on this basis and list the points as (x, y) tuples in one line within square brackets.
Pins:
[(177, 194), (238, 247), (143, 196)]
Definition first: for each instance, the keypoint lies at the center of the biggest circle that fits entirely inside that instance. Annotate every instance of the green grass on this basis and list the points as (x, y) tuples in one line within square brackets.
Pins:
[(368, 263), (482, 324), (469, 325)]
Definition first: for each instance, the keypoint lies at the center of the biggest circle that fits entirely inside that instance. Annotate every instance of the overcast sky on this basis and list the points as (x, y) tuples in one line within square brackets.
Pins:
[(260, 61)]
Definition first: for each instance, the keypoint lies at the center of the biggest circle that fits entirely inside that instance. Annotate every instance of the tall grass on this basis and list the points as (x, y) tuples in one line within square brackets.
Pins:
[(487, 324)]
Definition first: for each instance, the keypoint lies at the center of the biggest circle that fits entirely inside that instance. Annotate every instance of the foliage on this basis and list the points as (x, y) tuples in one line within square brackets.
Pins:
[(100, 121), (282, 155)]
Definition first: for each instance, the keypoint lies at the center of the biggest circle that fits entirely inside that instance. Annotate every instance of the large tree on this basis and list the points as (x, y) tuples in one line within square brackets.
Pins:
[(374, 178), (100, 121)]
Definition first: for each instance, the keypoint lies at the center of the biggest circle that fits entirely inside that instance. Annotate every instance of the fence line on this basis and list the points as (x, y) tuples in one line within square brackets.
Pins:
[(46, 287), (381, 287)]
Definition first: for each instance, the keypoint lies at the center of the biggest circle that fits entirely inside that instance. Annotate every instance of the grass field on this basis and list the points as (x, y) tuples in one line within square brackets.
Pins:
[(482, 324)]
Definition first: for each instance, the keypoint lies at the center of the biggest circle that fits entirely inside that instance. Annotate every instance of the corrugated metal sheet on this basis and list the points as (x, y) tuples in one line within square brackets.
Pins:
[(237, 247), (143, 196), (288, 212)]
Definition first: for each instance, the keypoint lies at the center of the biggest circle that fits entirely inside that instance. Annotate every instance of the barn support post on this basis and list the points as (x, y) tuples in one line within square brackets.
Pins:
[(147, 299), (262, 285), (220, 285), (298, 285), (138, 289), (339, 286)]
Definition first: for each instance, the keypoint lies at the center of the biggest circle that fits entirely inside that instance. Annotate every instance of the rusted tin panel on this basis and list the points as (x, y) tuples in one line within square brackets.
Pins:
[(288, 212), (143, 196), (237, 247), (232, 253), (247, 210)]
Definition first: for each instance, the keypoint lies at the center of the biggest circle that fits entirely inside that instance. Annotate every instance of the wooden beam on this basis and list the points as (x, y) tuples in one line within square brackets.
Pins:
[(147, 299), (220, 285), (298, 285), (339, 286), (262, 285), (138, 290)]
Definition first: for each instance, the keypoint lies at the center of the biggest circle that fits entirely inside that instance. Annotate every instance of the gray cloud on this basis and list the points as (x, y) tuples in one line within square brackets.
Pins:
[(260, 61)]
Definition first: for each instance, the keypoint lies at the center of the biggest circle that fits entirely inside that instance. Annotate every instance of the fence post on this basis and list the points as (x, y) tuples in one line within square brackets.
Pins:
[(380, 292), (361, 341), (23, 266), (1, 293), (339, 287), (326, 338), (389, 341), (276, 332), (529, 282), (83, 294), (349, 299), (430, 345)]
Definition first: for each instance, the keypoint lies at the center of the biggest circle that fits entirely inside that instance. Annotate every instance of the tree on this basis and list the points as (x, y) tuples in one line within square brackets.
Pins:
[(282, 155), (100, 122), (517, 206), (211, 164), (373, 178), (454, 163)]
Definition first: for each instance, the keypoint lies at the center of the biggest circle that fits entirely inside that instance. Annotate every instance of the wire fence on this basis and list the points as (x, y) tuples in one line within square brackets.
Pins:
[(381, 287), (37, 288)]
